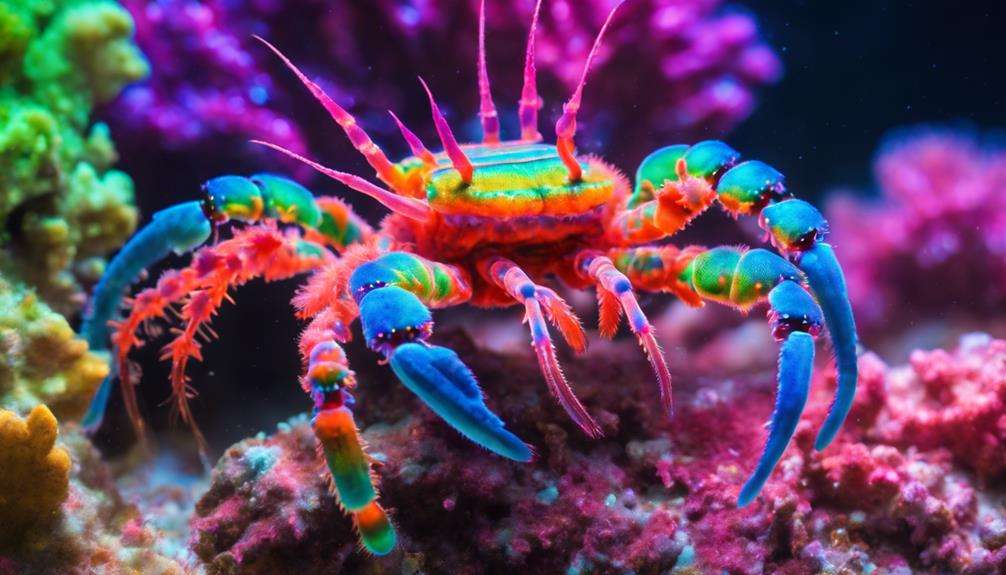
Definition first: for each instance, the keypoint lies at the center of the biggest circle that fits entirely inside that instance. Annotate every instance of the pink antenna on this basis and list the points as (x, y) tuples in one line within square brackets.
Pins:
[(565, 128), (487, 110), (408, 207), (458, 158), (529, 103), (415, 144), (386, 171)]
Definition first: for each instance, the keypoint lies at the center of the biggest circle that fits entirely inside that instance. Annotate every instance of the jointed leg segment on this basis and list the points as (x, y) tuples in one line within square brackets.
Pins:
[(615, 295), (509, 277)]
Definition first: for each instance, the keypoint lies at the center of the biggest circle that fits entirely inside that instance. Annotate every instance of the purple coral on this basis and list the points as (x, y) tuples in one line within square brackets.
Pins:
[(207, 84), (937, 239), (212, 85)]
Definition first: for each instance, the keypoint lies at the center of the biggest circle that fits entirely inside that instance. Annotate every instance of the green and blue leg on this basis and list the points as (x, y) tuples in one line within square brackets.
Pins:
[(796, 229), (394, 293), (184, 227), (743, 278)]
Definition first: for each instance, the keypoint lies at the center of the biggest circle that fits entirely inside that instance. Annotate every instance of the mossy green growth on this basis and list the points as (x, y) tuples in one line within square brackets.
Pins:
[(44, 362), (62, 207)]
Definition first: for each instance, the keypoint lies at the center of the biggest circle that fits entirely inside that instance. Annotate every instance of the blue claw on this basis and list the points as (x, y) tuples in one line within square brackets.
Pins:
[(796, 360), (176, 229), (437, 375), (96, 410), (824, 274)]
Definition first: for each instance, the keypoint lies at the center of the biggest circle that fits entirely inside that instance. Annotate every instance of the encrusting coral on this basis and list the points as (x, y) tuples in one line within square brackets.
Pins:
[(62, 207), (44, 362), (34, 474), (61, 510), (899, 492)]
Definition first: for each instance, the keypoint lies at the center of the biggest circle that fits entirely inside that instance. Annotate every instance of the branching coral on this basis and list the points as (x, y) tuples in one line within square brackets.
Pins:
[(43, 359), (34, 474), (937, 243), (61, 206)]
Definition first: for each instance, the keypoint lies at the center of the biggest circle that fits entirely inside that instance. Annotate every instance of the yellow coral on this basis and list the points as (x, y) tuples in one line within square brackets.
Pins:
[(44, 360), (34, 474)]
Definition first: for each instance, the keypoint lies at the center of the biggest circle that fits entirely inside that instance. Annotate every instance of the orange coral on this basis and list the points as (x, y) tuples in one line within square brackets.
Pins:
[(34, 474)]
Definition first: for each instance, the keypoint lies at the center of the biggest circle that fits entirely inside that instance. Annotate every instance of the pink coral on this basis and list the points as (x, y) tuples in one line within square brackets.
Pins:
[(899, 491), (937, 240)]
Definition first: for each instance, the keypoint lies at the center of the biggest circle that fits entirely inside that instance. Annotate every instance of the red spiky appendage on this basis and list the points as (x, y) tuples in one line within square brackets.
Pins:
[(194, 294)]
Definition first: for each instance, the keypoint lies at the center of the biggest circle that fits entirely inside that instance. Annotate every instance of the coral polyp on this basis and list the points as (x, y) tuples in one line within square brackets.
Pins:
[(487, 224)]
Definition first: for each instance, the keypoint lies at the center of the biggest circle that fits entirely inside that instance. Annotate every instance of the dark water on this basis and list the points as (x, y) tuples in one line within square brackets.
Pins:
[(856, 70)]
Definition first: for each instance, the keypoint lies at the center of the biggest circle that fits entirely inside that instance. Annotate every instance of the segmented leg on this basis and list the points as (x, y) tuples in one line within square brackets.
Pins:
[(614, 292), (658, 269), (674, 185), (508, 276), (742, 278), (200, 288), (394, 293), (180, 229), (255, 252), (794, 227), (798, 230), (329, 380)]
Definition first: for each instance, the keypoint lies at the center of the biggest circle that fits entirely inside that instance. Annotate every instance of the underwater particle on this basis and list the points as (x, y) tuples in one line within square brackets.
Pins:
[(43, 360), (34, 474), (62, 207)]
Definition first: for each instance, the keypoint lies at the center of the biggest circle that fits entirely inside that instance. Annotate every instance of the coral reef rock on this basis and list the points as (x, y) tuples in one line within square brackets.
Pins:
[(88, 526), (34, 474), (901, 491)]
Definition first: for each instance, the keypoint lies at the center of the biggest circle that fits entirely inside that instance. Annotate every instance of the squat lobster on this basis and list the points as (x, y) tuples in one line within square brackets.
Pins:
[(485, 224)]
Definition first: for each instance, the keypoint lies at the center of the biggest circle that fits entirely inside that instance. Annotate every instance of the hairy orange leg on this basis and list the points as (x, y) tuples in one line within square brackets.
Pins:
[(615, 296), (508, 276), (254, 251)]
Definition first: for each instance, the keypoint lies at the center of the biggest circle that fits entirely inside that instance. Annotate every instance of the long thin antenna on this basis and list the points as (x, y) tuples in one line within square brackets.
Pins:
[(419, 149), (386, 171), (408, 207), (487, 110), (565, 128), (530, 103), (458, 158)]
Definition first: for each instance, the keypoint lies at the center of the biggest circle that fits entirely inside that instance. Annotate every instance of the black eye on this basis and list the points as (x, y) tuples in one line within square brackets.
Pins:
[(209, 207)]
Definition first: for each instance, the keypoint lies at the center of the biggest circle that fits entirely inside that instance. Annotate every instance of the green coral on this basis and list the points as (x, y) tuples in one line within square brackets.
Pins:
[(43, 360), (62, 207)]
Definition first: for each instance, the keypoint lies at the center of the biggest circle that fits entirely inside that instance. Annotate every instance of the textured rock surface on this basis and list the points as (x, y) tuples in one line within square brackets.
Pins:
[(903, 490)]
